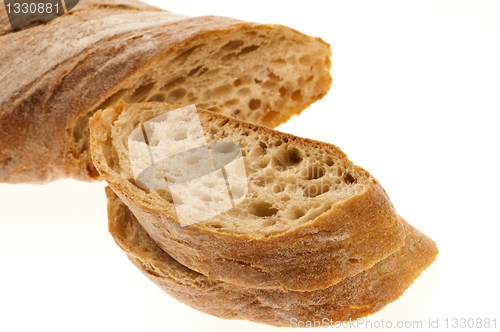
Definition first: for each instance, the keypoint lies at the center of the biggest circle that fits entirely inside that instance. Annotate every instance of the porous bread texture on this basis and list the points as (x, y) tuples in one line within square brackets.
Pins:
[(55, 76), (330, 220), (354, 297), (259, 75)]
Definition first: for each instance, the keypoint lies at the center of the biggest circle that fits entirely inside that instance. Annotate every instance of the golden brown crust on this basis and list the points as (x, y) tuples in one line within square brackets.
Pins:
[(49, 80), (354, 297), (360, 231), (366, 223)]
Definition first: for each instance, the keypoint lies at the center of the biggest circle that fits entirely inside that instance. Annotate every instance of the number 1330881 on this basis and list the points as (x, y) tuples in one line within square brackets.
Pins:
[(40, 8)]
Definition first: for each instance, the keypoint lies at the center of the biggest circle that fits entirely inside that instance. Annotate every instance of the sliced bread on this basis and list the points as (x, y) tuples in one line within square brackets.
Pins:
[(354, 297), (310, 218)]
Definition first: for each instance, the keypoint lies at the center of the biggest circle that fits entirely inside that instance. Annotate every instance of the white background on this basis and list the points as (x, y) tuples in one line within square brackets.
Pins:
[(415, 100)]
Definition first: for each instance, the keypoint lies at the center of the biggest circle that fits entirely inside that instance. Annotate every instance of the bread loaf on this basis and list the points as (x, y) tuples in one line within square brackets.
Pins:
[(310, 219), (354, 297), (56, 75)]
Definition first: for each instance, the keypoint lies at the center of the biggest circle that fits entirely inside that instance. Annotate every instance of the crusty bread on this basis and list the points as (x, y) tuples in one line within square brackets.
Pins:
[(54, 76), (310, 219), (352, 298)]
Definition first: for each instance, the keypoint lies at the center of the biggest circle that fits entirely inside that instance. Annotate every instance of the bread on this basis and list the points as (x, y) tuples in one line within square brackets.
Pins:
[(354, 297), (310, 219), (55, 76)]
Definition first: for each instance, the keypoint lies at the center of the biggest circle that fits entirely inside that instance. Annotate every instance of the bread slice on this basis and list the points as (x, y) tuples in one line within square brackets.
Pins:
[(55, 76), (354, 297), (310, 218)]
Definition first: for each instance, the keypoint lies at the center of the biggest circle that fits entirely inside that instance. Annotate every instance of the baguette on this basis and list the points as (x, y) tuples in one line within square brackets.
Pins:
[(310, 219), (354, 297), (56, 75)]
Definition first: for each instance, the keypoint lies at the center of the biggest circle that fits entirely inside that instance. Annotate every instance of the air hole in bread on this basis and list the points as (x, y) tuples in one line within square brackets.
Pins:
[(297, 95), (113, 99), (215, 109), (231, 102), (262, 209), (181, 58), (244, 50), (159, 97), (283, 91), (285, 198), (232, 45), (329, 161), (254, 104), (194, 71), (141, 92), (223, 122), (202, 72), (349, 179), (177, 94), (173, 83), (297, 213), (353, 261), (313, 172), (274, 77), (277, 188), (249, 49), (221, 91), (287, 157)]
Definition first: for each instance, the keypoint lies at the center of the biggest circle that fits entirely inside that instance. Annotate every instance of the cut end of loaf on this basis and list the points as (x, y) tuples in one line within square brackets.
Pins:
[(353, 298), (291, 181), (264, 74)]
